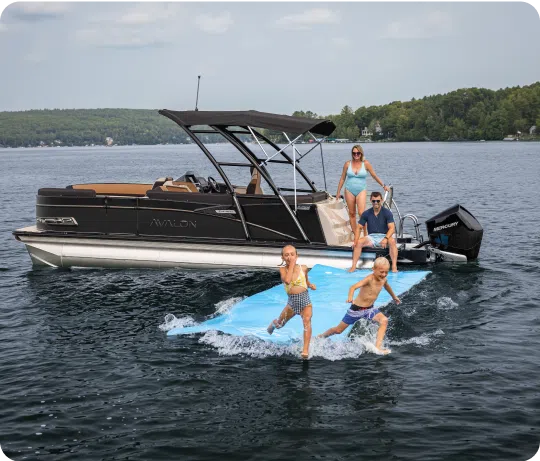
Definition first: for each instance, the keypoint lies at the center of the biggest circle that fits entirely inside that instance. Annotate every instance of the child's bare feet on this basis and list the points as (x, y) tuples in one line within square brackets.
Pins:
[(352, 269), (305, 355), (394, 269), (383, 351)]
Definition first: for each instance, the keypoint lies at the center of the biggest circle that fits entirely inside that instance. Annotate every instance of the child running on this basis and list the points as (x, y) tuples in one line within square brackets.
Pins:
[(362, 308), (296, 283)]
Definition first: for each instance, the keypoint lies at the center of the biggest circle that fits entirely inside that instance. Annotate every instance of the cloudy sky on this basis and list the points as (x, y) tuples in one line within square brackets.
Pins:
[(274, 57)]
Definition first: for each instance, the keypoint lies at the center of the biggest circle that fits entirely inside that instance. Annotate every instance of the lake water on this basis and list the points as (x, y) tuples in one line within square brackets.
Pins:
[(87, 372)]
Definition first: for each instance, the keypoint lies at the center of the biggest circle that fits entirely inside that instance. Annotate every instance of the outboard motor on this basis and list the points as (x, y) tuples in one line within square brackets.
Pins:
[(455, 230)]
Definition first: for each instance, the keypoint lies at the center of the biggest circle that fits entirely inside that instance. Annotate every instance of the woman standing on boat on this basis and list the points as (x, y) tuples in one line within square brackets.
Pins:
[(354, 176)]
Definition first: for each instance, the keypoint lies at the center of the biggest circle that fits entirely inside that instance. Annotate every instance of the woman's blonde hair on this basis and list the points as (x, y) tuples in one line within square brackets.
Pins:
[(358, 147)]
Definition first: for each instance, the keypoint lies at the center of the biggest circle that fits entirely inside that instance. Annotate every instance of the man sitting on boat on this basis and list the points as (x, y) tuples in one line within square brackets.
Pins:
[(379, 228)]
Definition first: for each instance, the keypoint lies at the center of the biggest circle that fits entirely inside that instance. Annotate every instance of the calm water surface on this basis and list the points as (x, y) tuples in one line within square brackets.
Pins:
[(87, 372)]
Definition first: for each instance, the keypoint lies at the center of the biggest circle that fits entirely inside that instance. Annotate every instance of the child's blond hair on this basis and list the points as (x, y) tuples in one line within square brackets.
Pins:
[(283, 249), (380, 261), (287, 246)]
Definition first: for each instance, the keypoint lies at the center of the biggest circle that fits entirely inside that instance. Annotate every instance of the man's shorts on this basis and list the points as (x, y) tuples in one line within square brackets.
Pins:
[(356, 313), (376, 239)]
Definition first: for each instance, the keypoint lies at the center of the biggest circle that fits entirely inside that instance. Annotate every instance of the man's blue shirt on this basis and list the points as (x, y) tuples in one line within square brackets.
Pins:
[(377, 224)]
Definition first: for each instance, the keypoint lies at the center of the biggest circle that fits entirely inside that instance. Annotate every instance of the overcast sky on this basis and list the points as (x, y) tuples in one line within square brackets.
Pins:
[(273, 57)]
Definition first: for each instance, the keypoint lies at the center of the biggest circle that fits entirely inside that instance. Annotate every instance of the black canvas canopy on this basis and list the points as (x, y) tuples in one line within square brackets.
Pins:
[(252, 118)]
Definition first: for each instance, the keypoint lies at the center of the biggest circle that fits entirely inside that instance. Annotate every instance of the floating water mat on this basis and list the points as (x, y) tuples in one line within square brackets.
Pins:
[(251, 316)]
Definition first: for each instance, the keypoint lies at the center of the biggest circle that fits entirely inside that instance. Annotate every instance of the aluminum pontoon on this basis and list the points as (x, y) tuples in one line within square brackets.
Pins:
[(197, 221)]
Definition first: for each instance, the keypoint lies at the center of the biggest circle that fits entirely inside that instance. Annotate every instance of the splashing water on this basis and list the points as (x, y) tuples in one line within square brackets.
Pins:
[(223, 307), (173, 322), (423, 340), (362, 340), (446, 303)]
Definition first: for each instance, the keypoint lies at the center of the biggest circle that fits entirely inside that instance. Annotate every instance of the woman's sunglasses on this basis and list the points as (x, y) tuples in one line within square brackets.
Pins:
[(356, 153)]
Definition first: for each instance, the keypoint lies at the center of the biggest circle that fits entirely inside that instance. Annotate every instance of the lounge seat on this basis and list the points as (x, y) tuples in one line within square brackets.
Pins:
[(178, 186), (129, 189), (179, 196), (306, 198)]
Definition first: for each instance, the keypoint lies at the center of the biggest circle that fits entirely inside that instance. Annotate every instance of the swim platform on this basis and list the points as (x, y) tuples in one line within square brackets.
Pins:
[(251, 316)]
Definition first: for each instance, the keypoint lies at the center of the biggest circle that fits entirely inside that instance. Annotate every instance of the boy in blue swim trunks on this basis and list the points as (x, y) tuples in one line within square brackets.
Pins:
[(362, 308)]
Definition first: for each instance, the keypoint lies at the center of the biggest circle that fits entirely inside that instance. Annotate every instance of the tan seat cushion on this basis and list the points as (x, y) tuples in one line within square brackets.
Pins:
[(138, 190), (179, 186)]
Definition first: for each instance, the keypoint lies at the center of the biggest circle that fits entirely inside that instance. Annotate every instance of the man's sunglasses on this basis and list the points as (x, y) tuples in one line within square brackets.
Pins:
[(375, 201)]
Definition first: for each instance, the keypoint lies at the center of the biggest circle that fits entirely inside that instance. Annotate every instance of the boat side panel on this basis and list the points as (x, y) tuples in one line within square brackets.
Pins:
[(188, 219), (97, 214), (309, 220), (269, 219)]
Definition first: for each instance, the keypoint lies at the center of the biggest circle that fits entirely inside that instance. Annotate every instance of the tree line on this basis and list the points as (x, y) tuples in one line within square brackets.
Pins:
[(464, 114)]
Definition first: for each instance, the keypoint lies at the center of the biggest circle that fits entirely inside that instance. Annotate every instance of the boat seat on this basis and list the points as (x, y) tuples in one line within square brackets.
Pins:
[(306, 198), (130, 189), (178, 186), (254, 186), (161, 181), (179, 196)]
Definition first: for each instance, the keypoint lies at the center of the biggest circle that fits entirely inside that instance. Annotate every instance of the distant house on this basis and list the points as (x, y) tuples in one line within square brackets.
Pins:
[(109, 141), (378, 128), (532, 129), (366, 132)]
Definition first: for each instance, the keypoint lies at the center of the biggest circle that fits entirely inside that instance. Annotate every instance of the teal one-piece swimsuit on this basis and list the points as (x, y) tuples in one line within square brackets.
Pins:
[(356, 183)]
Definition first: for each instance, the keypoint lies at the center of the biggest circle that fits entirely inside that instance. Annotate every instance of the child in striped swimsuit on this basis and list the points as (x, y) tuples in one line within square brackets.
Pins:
[(296, 283)]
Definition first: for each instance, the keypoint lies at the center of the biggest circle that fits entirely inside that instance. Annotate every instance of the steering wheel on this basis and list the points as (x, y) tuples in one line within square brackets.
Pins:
[(214, 186)]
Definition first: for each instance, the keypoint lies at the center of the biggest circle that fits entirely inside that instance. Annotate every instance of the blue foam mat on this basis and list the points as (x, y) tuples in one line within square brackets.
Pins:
[(252, 316)]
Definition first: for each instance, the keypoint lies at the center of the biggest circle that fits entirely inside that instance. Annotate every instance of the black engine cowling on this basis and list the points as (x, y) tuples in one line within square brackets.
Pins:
[(456, 230)]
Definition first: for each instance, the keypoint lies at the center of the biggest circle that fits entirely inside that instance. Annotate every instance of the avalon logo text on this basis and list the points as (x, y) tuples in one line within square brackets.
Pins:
[(173, 223)]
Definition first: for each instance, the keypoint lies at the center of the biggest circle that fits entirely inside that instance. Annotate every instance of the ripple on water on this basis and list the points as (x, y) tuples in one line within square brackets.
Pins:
[(86, 364)]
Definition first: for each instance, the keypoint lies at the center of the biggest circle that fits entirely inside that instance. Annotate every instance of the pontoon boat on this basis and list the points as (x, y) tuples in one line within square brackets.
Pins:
[(198, 221)]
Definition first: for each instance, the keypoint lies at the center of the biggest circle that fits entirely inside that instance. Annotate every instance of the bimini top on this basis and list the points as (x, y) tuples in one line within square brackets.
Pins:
[(251, 118)]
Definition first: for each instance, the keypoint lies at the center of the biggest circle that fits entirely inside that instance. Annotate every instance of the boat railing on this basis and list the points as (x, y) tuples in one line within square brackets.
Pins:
[(389, 202), (414, 219)]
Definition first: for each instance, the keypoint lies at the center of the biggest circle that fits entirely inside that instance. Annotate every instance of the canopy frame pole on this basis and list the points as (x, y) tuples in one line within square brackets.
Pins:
[(295, 151), (289, 160), (323, 171), (261, 168), (318, 142), (225, 178), (258, 142), (280, 151)]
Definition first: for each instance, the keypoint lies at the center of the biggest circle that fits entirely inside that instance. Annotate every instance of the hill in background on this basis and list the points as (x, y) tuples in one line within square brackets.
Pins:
[(465, 114)]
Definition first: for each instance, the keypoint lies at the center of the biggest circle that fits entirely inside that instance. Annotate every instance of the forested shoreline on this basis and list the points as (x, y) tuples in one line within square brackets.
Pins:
[(470, 114)]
